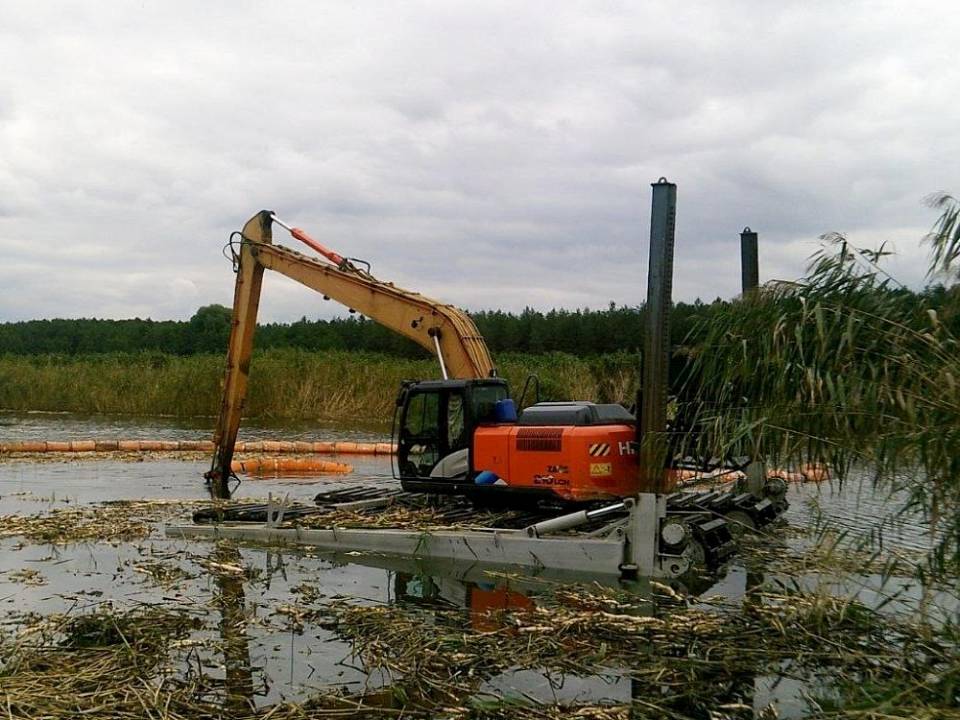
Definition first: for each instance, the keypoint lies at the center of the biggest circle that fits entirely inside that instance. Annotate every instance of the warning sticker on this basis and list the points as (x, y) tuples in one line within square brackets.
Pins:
[(599, 449), (600, 469)]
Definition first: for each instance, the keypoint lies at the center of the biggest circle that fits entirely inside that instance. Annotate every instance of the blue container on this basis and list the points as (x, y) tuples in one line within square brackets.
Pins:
[(505, 411), (486, 477)]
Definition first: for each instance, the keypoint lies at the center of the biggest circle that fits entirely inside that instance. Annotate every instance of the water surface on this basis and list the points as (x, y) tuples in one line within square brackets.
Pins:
[(283, 659)]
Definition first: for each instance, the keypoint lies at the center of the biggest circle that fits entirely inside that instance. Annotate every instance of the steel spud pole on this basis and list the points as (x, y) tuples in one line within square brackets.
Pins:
[(656, 354)]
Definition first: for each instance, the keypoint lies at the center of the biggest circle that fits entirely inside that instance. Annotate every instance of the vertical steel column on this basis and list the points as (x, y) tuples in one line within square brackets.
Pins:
[(756, 471), (656, 346), (749, 261)]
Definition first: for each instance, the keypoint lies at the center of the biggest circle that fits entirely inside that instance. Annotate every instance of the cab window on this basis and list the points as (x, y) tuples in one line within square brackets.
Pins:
[(455, 423), (485, 398), (422, 417), (419, 447)]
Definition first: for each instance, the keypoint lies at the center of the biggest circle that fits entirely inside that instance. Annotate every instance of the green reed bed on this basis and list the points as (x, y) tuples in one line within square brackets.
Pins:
[(291, 384)]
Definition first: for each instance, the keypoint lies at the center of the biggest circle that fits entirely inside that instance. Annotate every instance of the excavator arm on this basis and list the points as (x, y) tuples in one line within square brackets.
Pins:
[(440, 328)]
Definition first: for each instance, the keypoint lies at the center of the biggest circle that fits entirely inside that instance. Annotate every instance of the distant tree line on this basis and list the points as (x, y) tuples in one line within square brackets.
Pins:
[(579, 332), (583, 332)]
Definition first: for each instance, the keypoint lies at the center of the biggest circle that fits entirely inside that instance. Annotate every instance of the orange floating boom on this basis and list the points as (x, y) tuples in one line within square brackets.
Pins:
[(299, 447), (284, 465)]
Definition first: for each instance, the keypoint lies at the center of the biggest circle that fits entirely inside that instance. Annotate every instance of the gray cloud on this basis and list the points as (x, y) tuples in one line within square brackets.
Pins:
[(490, 154)]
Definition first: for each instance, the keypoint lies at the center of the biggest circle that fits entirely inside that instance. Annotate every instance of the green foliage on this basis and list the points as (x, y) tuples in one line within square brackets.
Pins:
[(944, 238), (846, 368), (209, 329)]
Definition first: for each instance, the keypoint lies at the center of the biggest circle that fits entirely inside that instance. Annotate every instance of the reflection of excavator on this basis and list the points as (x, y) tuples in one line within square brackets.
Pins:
[(460, 434)]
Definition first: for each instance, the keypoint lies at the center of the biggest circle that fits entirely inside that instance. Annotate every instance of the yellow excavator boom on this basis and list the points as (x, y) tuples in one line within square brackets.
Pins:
[(440, 328)]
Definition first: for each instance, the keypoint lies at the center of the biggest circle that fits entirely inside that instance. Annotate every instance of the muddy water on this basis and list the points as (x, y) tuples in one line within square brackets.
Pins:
[(246, 626)]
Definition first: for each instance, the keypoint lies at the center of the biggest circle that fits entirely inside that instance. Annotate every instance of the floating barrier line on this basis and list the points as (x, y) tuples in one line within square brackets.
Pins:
[(269, 466), (280, 447)]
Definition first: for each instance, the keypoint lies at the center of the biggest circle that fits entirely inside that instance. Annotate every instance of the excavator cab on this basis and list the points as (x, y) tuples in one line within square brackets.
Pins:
[(435, 425), (464, 437)]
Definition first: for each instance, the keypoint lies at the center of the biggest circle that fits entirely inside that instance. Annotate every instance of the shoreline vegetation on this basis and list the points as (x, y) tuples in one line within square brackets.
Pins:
[(285, 383)]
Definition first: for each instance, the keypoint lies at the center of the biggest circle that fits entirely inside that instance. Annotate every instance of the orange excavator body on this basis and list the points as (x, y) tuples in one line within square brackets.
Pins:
[(576, 464)]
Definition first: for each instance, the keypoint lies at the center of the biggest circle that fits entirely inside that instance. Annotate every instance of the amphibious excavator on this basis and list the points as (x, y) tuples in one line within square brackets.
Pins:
[(461, 434)]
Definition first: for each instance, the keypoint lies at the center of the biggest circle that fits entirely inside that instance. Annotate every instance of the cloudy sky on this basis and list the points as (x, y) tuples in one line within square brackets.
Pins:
[(491, 154)]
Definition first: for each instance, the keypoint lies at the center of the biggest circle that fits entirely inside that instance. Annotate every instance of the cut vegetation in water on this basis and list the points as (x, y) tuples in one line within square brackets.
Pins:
[(128, 623), (639, 652)]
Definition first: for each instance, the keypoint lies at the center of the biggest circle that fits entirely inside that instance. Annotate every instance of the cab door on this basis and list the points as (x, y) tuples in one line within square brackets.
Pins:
[(434, 424), (418, 447)]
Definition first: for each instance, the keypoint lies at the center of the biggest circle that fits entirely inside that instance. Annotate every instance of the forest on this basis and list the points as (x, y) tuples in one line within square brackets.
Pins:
[(582, 332)]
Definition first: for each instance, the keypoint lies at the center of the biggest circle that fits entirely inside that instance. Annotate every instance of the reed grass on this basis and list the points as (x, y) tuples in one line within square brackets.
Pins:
[(843, 369), (284, 384)]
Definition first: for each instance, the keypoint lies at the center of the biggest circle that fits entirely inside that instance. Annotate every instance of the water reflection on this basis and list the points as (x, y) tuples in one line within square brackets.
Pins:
[(490, 598), (230, 600)]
